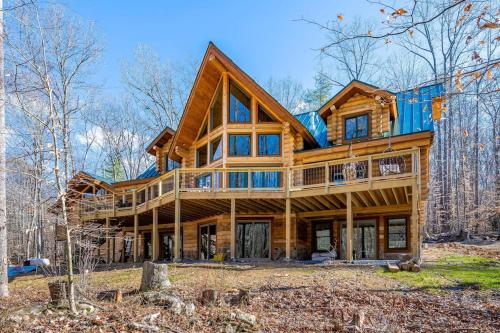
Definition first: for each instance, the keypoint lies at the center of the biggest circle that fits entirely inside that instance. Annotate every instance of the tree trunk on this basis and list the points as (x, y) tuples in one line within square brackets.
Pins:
[(4, 291), (154, 276)]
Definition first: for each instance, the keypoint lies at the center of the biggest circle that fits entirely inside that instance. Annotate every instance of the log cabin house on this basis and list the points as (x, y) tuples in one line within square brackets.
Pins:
[(243, 178)]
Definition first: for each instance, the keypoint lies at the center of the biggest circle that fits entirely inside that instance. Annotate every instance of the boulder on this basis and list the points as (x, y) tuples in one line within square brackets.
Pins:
[(246, 318), (154, 276)]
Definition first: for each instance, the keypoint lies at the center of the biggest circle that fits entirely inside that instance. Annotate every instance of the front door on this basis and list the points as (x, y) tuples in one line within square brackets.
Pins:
[(363, 240), (253, 239), (166, 246), (208, 240)]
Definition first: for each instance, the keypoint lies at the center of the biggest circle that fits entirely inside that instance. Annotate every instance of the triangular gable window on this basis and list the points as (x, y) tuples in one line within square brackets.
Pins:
[(264, 116), (216, 109), (203, 131)]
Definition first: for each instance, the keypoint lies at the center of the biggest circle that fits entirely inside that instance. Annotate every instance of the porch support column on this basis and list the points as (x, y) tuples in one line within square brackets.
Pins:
[(177, 233), (415, 235), (136, 238), (288, 246), (108, 243), (349, 228), (233, 228), (155, 234)]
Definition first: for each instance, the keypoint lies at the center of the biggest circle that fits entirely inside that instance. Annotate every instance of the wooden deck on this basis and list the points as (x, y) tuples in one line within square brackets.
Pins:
[(345, 187), (311, 183)]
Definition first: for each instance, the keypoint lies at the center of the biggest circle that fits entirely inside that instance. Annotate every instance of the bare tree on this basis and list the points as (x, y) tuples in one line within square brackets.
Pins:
[(4, 291), (157, 86), (50, 54), (286, 91)]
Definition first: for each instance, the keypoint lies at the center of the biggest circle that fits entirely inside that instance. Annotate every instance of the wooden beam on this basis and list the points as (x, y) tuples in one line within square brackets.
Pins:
[(375, 210), (155, 235), (177, 230), (233, 229), (349, 228), (108, 247), (415, 235), (136, 238), (288, 249)]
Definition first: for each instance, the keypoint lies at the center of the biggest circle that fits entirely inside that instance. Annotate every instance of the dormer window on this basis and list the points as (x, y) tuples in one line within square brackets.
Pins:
[(239, 105), (356, 127)]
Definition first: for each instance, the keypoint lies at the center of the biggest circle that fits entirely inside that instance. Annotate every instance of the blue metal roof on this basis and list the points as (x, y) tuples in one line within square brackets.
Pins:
[(315, 125), (149, 172), (101, 178), (415, 109)]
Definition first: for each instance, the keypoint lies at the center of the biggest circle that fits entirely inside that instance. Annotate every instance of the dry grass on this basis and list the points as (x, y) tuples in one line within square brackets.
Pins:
[(287, 298)]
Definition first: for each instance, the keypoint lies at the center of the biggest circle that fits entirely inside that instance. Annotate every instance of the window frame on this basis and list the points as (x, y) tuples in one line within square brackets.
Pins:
[(210, 126), (356, 115), (229, 103), (249, 135), (386, 234), (314, 236), (197, 156), (258, 145), (220, 138), (261, 107)]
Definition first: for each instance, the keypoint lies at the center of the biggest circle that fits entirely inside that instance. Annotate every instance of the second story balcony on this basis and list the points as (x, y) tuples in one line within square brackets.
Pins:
[(395, 169)]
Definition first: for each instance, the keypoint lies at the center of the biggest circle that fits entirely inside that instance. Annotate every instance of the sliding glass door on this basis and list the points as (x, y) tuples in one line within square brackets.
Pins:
[(253, 238), (208, 240), (363, 239)]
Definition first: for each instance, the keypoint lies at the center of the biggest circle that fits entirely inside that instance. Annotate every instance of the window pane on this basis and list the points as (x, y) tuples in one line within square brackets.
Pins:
[(266, 179), (356, 127), (396, 230), (269, 144), (239, 105), (350, 128), (201, 156), (263, 116), (238, 179), (362, 124), (203, 131), (239, 145), (204, 181), (322, 236), (216, 149), (216, 110)]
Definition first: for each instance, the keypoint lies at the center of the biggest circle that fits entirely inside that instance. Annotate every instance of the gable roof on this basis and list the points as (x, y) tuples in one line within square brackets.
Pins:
[(214, 63), (151, 171), (160, 140), (356, 87)]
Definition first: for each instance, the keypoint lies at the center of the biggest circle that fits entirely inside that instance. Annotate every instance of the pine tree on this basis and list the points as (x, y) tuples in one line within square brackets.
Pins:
[(114, 170)]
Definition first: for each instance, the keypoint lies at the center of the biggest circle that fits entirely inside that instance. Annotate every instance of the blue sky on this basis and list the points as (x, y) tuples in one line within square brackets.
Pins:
[(260, 36)]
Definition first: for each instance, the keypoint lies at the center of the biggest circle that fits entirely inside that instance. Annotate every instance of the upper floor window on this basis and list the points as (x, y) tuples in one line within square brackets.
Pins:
[(239, 105), (356, 127), (171, 164), (397, 233), (203, 131), (216, 149), (216, 109), (263, 116), (269, 144), (201, 156), (239, 145)]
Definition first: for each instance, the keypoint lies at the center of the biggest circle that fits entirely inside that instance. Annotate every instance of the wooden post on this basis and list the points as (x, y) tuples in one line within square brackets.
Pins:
[(134, 201), (113, 249), (415, 235), (108, 247), (370, 171), (114, 205), (136, 238), (155, 234), (177, 218), (349, 228), (288, 246), (233, 228), (177, 231)]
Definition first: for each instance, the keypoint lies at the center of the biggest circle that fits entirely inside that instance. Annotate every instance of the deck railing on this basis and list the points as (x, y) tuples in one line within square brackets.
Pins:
[(341, 172)]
